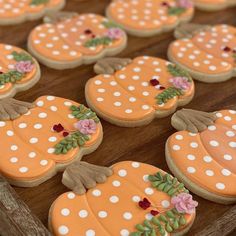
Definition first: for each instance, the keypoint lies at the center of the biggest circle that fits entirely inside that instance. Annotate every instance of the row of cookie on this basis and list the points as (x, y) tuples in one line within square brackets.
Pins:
[(133, 15)]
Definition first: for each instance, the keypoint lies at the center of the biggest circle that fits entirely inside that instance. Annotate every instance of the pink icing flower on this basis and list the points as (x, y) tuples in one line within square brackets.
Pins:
[(180, 83), (24, 66), (185, 3), (115, 33), (87, 126), (184, 203)]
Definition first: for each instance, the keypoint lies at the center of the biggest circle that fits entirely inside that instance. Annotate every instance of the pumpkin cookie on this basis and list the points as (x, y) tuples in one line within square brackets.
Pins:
[(17, 11), (68, 40), (149, 17), (132, 93), (203, 153), (213, 5), (208, 53), (18, 71), (51, 135), (140, 198)]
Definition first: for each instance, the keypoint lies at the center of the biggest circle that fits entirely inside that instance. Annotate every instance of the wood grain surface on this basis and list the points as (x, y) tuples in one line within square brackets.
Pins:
[(145, 144)]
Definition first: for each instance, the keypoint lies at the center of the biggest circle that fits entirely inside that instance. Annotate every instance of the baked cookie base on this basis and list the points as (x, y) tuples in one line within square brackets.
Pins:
[(206, 78), (137, 123), (25, 86), (149, 33), (58, 167), (61, 65), (31, 17), (194, 187), (214, 7)]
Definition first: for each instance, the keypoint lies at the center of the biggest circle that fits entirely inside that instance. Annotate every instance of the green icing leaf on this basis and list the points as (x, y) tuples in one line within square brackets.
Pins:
[(98, 41), (21, 56), (82, 113), (110, 24), (168, 94), (72, 141), (176, 10), (166, 183), (176, 71), (10, 77), (38, 2)]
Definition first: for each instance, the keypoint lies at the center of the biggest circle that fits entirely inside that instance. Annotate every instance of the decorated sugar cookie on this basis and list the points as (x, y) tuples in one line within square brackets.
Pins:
[(141, 199), (133, 92), (17, 11), (208, 53), (149, 17), (52, 134), (214, 5), (203, 153), (68, 40), (18, 71)]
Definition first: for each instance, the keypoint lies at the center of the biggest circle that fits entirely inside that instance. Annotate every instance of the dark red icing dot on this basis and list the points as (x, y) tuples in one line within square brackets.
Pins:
[(154, 82), (65, 134), (227, 49), (144, 204), (154, 213), (166, 4), (88, 31), (58, 128), (162, 88), (93, 36)]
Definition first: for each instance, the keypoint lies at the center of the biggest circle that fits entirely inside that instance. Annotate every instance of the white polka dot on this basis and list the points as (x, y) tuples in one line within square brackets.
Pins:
[(22, 125), (96, 193), (63, 230), (43, 162), (207, 159), (149, 191), (232, 144), (53, 108), (179, 137), (191, 157), (116, 183), (122, 173), (2, 123), (132, 99), (124, 232), (100, 99), (227, 118), (65, 212), (228, 157), (38, 126), (214, 143), (211, 128), (220, 186), (101, 90), (193, 145), (90, 232), (33, 140), (114, 199), (219, 115), (71, 195), (83, 214), (52, 139), (135, 164), (226, 172), (116, 94), (102, 214), (176, 147), (23, 169), (50, 98), (117, 104), (145, 93), (51, 150), (209, 172), (232, 112), (127, 216), (113, 83), (42, 115), (230, 133), (14, 147), (128, 111), (10, 133), (165, 203), (67, 103), (14, 160), (32, 155), (191, 170), (122, 76), (131, 88), (98, 82), (136, 199)]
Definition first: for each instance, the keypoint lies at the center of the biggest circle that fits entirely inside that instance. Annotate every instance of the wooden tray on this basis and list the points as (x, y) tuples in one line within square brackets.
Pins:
[(145, 144)]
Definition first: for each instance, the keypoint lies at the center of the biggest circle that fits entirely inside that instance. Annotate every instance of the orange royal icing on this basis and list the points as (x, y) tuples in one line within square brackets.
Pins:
[(128, 95), (13, 10), (205, 52), (111, 208), (65, 41), (8, 63), (208, 158), (28, 142), (145, 15)]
